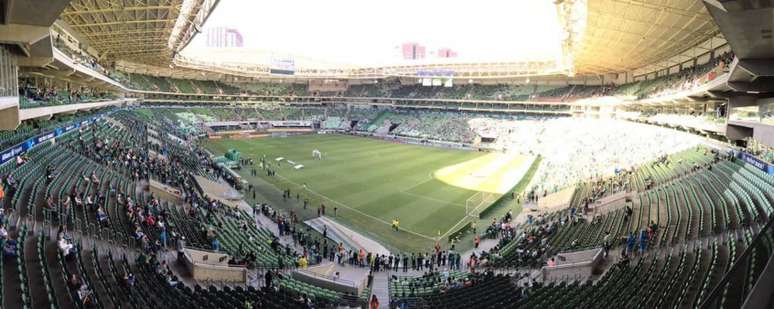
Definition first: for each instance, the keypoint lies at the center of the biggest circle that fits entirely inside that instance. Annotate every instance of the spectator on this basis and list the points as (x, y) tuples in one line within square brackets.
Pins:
[(215, 244), (65, 247), (552, 262), (268, 278)]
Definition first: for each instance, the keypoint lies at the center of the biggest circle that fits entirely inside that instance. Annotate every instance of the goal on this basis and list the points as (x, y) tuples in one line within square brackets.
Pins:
[(478, 202)]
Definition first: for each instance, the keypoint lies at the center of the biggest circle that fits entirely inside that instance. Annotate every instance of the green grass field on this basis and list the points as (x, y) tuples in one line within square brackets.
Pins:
[(370, 181)]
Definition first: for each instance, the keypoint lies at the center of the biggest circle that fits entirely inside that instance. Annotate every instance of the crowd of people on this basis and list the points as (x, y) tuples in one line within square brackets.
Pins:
[(34, 96), (688, 78), (705, 122), (581, 149), (760, 150), (317, 249)]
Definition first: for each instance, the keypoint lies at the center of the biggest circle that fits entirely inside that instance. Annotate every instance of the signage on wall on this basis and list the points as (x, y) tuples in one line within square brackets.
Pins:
[(758, 163)]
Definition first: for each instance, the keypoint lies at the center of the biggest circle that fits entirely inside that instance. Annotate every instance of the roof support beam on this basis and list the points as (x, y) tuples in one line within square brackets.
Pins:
[(134, 52), (119, 9), (126, 40), (658, 7), (127, 32), (123, 22), (138, 46)]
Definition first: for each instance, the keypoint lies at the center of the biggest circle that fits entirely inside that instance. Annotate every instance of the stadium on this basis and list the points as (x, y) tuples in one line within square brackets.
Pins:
[(402, 154)]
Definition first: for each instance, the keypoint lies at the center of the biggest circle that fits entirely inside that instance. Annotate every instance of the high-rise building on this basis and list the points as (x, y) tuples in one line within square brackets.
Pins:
[(223, 37), (413, 51), (446, 53)]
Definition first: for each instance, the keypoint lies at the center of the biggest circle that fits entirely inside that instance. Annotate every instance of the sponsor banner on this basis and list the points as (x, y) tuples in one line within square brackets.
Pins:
[(30, 143), (435, 73), (281, 72), (71, 127), (45, 137), (291, 123), (758, 163), (11, 153), (282, 65), (23, 147)]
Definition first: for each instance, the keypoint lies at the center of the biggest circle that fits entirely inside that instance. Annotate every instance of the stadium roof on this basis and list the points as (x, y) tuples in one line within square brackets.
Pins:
[(147, 31), (610, 36), (346, 33), (624, 35)]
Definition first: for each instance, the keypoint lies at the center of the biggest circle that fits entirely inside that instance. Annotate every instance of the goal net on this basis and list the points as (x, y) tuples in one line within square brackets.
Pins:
[(478, 202)]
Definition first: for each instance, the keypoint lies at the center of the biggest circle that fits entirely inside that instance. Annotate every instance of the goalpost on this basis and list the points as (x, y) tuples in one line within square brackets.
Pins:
[(475, 204)]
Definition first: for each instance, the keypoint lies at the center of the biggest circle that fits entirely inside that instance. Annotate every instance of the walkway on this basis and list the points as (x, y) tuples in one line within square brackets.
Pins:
[(350, 238)]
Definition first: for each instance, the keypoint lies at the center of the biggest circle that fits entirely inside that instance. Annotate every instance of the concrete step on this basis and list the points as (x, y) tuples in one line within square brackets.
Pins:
[(380, 288)]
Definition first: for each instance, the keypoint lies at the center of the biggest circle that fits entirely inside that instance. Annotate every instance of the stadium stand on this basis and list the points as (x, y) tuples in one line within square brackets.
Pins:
[(32, 96), (102, 207), (696, 195), (685, 79)]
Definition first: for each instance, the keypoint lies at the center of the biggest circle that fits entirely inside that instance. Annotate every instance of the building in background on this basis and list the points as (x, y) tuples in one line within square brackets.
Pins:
[(223, 37), (413, 51), (446, 53)]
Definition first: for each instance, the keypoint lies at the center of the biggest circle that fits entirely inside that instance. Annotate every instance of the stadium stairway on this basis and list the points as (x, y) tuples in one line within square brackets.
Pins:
[(38, 283), (319, 225), (351, 239), (380, 288), (10, 276)]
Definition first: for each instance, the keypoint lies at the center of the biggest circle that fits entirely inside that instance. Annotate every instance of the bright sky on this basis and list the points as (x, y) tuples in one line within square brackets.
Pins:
[(369, 32)]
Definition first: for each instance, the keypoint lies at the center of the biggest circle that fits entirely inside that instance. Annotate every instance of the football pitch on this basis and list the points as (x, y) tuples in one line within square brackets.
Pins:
[(372, 182)]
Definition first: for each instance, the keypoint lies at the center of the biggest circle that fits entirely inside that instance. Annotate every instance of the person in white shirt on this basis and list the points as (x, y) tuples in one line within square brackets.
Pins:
[(65, 246)]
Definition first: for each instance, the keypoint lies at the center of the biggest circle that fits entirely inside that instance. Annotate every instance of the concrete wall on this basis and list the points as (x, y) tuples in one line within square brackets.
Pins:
[(343, 286), (163, 191), (219, 273), (737, 130), (764, 134), (9, 113), (568, 273), (742, 101), (213, 266), (578, 265), (48, 111)]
